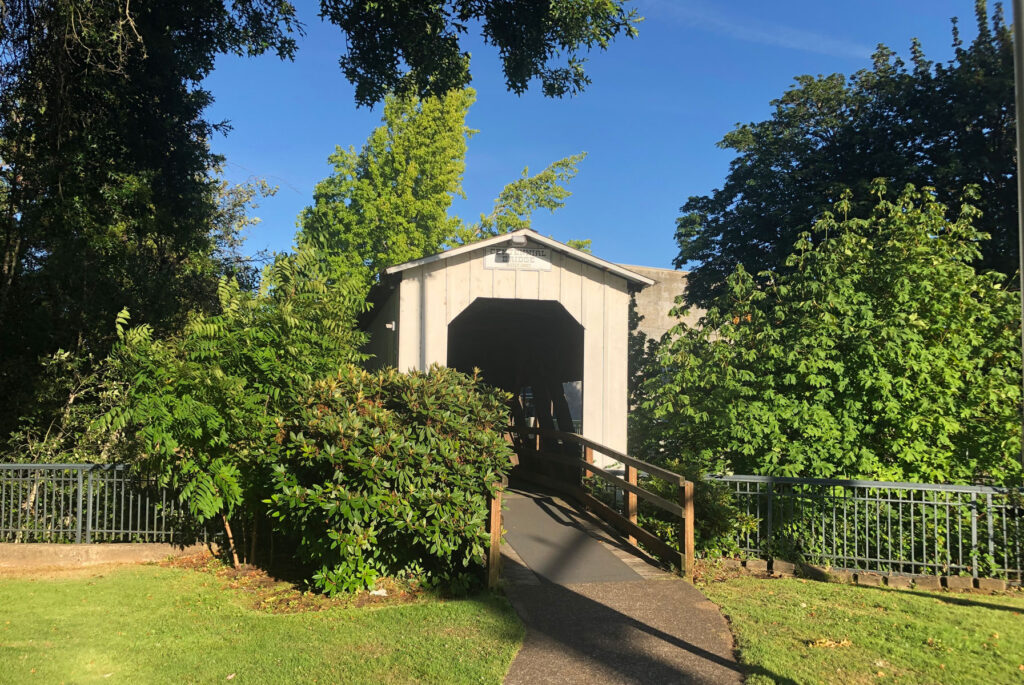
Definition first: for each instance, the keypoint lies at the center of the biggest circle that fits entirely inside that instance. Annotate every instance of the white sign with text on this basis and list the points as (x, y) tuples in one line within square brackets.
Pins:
[(518, 258)]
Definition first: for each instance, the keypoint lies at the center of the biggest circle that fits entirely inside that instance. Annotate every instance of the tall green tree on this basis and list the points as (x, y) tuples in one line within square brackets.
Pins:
[(945, 125), (881, 352), (106, 176), (389, 201)]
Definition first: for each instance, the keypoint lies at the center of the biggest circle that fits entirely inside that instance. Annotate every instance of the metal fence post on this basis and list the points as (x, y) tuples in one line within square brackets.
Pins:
[(78, 510), (974, 534), (768, 520), (990, 515), (88, 512)]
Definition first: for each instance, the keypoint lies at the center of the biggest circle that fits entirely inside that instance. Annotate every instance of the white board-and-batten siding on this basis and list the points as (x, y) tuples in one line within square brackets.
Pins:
[(430, 296)]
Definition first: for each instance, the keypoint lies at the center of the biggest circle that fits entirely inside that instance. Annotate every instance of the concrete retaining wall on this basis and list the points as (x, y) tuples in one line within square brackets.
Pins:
[(27, 555)]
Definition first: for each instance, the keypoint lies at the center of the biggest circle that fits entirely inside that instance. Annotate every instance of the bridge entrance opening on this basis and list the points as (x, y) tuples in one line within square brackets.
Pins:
[(530, 348)]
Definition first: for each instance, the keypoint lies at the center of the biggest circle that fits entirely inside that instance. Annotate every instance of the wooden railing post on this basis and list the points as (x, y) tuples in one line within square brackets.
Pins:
[(494, 552), (631, 499), (686, 552), (588, 456)]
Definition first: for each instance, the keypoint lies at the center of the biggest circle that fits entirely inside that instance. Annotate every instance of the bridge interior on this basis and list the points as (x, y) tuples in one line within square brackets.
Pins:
[(530, 348)]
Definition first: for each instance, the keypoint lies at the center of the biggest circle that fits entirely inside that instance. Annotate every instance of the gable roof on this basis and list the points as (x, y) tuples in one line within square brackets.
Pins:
[(516, 236)]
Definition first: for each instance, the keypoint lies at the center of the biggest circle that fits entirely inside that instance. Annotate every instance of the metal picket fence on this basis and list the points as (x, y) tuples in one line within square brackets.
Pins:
[(903, 528), (84, 503)]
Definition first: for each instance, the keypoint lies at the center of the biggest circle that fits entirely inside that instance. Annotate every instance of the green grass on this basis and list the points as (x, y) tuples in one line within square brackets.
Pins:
[(150, 624), (809, 632)]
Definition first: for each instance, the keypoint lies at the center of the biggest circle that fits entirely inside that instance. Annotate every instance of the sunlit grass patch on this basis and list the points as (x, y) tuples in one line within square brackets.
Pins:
[(157, 624), (791, 630)]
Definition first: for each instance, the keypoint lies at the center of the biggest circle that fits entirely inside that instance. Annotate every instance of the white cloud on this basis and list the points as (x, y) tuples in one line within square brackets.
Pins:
[(754, 30)]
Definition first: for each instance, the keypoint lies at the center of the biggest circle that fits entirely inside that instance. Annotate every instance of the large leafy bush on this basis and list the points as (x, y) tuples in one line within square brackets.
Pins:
[(389, 474), (200, 409), (881, 353)]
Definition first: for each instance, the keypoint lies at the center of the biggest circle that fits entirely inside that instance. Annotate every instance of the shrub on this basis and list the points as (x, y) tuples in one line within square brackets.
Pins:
[(389, 474), (881, 353)]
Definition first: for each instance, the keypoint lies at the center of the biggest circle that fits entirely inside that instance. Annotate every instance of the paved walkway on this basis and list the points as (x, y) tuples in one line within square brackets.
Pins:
[(595, 613)]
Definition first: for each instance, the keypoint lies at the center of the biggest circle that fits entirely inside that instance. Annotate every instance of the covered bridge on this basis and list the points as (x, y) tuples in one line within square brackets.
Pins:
[(538, 318)]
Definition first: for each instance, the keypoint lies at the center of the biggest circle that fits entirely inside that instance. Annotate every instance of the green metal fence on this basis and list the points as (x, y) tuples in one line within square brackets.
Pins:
[(908, 528), (86, 503)]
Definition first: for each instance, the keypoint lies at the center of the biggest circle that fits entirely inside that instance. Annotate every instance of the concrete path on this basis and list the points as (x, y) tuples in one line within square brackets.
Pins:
[(595, 613)]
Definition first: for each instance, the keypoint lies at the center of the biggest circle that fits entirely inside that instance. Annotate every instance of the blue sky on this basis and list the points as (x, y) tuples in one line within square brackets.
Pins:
[(649, 123)]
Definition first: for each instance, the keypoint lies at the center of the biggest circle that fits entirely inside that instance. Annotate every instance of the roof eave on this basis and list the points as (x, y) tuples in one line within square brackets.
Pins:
[(630, 276)]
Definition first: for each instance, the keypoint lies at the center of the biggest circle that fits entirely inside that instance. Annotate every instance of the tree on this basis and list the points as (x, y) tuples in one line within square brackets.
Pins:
[(412, 47), (880, 353), (107, 194), (388, 202), (940, 125)]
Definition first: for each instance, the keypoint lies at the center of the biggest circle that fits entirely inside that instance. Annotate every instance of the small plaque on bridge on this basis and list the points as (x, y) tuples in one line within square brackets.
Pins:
[(518, 258)]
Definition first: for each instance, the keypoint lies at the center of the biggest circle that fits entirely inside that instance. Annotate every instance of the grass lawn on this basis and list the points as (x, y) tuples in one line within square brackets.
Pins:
[(790, 630), (152, 624)]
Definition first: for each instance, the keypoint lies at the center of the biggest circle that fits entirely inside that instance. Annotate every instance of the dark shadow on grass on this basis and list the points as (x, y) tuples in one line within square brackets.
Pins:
[(948, 598)]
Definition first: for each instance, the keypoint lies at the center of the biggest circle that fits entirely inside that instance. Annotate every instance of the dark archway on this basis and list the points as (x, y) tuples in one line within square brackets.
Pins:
[(527, 347)]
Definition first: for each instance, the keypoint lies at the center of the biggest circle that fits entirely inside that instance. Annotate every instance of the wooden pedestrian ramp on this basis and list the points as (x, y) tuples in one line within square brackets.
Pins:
[(596, 608), (553, 538)]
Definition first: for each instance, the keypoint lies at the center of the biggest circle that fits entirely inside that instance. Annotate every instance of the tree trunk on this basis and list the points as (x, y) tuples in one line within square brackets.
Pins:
[(252, 540), (231, 541)]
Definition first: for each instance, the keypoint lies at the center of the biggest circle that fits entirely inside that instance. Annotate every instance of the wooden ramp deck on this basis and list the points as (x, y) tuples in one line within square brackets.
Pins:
[(596, 611)]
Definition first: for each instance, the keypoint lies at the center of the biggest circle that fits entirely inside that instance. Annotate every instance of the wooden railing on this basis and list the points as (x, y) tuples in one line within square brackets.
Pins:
[(546, 446)]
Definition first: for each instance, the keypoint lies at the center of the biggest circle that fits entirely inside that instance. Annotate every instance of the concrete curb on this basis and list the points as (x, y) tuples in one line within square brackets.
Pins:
[(785, 569), (33, 554)]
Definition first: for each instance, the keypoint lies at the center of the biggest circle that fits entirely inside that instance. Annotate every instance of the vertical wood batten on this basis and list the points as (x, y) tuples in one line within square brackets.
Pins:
[(548, 282), (592, 305), (527, 285), (409, 321), (435, 324), (459, 282), (504, 284), (616, 371), (481, 280), (571, 288)]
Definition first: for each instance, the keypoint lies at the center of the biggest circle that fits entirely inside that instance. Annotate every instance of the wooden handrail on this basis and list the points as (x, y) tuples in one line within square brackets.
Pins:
[(683, 509), (658, 471), (657, 500)]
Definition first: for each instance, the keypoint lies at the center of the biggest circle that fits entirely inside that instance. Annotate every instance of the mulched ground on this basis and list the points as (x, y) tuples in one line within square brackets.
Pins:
[(273, 593)]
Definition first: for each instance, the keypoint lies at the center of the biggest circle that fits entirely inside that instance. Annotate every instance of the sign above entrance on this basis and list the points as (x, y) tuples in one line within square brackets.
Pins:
[(518, 258)]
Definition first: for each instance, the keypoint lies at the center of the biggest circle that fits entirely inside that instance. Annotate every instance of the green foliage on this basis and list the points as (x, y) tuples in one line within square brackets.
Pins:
[(946, 125), (388, 203), (880, 353), (516, 203), (72, 392), (581, 245), (201, 408), (107, 197), (390, 474), (413, 46)]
